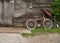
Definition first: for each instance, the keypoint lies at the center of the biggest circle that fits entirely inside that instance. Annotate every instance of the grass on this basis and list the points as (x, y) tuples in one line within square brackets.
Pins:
[(38, 31)]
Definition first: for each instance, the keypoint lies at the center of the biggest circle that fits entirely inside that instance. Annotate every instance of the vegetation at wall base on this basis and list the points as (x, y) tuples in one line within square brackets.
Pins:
[(39, 31)]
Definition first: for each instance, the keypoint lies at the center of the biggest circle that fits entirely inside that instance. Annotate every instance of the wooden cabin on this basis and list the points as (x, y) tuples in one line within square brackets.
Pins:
[(20, 9)]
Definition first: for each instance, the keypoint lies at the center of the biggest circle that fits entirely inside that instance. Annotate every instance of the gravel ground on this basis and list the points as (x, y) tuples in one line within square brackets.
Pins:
[(17, 38)]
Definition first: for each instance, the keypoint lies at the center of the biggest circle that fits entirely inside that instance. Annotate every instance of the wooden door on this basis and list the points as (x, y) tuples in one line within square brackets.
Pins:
[(1, 11), (8, 11)]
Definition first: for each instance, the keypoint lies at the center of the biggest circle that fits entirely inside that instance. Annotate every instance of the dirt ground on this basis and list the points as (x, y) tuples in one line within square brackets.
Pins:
[(9, 35), (13, 30)]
